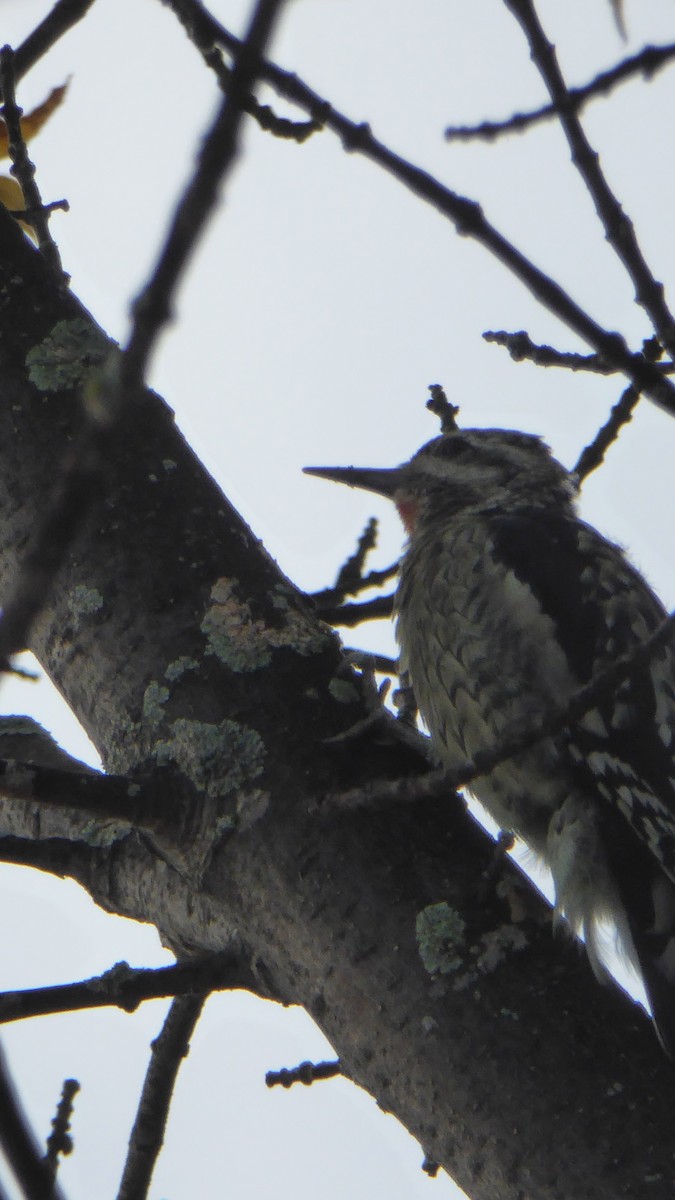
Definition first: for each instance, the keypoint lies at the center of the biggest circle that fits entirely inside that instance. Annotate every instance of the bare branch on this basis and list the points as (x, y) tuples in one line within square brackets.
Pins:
[(152, 309), (104, 797), (126, 987), (19, 1144), (522, 349), (147, 1135), (466, 214), (351, 582), (63, 16), (306, 1072), (354, 614), (594, 454), (59, 1141), (646, 63), (619, 230), (350, 575), (23, 169)]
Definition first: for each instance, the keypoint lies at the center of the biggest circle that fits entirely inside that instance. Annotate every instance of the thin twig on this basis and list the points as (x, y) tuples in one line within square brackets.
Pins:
[(27, 214), (22, 167), (63, 16), (329, 598), (263, 115), (306, 1072), (441, 407), (593, 455), (647, 62), (351, 615), (152, 308), (59, 1141), (126, 987), (350, 575), (20, 1146), (619, 229), (147, 1135), (437, 783), (465, 214), (266, 118), (522, 349), (351, 581)]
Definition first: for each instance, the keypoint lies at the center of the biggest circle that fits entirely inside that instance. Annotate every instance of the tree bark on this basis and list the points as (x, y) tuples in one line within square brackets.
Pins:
[(187, 654)]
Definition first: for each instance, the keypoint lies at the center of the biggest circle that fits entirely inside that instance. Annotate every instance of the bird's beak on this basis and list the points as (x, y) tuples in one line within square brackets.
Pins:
[(383, 480)]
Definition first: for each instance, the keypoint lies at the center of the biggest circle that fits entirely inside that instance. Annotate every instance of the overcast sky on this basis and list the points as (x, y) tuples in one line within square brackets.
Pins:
[(321, 304)]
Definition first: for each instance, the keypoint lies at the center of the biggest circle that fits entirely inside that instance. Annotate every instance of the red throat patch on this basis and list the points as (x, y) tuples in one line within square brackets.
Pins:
[(408, 509)]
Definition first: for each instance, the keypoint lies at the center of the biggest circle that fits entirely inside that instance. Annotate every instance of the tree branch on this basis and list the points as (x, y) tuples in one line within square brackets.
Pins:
[(126, 987), (59, 1141), (22, 167), (466, 215), (618, 227), (593, 455), (355, 614), (19, 1144), (647, 62), (307, 1073), (147, 1135), (152, 309), (63, 16)]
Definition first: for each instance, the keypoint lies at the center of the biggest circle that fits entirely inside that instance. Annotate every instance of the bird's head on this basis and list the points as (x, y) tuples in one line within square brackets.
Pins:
[(469, 469)]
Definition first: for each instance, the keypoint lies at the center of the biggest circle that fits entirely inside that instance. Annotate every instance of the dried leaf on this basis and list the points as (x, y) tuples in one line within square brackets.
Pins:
[(33, 121)]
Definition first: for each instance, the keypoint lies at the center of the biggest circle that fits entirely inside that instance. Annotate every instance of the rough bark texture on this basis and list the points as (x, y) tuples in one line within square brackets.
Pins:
[(512, 1067)]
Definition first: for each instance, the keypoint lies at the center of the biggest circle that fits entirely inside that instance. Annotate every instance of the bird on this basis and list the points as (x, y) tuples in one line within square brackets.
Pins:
[(507, 604)]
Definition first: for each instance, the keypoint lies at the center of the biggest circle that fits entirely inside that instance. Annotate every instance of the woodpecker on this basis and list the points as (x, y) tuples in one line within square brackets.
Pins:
[(507, 604)]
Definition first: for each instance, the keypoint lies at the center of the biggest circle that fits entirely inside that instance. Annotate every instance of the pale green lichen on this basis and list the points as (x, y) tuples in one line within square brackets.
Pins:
[(224, 826), (68, 355), (177, 669), (440, 932), (218, 758), (244, 642), (497, 945), (154, 699), (104, 833), (343, 691), (83, 602), (169, 464)]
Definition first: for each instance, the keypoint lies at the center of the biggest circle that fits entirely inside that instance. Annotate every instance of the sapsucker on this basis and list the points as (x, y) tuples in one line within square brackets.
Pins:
[(507, 604)]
